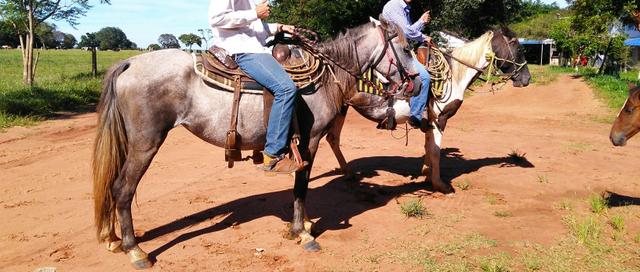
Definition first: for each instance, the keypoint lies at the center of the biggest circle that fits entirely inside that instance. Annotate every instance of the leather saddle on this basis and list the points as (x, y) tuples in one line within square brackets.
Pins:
[(217, 67)]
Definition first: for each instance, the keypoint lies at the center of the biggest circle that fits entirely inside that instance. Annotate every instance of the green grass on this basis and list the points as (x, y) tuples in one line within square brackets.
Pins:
[(598, 204), (413, 208), (545, 75), (612, 89), (62, 83), (498, 263), (587, 231), (617, 223)]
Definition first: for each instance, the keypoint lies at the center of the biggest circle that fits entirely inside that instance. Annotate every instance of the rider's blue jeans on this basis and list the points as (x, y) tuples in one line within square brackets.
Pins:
[(419, 102), (264, 69)]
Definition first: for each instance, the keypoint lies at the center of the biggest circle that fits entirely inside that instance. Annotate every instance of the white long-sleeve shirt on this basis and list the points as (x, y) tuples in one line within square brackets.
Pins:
[(236, 27)]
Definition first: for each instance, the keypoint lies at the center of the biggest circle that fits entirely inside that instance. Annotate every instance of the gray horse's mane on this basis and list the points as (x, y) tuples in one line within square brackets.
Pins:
[(342, 49)]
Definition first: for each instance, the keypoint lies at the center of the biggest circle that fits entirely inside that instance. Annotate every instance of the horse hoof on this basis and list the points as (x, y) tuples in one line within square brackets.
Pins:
[(139, 259), (312, 246), (443, 188), (142, 264), (114, 246)]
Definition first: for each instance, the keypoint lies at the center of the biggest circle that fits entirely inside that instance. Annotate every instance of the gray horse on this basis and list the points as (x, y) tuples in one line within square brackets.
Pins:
[(146, 96), (499, 47)]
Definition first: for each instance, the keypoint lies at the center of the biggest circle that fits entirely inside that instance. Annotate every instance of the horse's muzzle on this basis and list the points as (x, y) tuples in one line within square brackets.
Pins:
[(618, 139)]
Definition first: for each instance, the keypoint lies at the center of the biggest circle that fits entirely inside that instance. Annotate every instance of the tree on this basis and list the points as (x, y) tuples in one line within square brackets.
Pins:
[(7, 36), (88, 40), (168, 41), (153, 47), (206, 35), (470, 18), (26, 15), (112, 38), (190, 39), (69, 41)]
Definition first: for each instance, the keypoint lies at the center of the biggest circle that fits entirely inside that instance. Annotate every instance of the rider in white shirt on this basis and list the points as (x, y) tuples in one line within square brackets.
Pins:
[(238, 28)]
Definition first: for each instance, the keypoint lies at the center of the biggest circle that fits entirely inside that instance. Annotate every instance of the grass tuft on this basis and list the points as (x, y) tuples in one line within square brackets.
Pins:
[(413, 208), (495, 264), (587, 231), (463, 185), (617, 223), (598, 204), (503, 214), (543, 179)]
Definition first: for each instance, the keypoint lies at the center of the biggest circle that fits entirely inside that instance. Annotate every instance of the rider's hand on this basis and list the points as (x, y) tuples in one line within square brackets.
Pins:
[(427, 39), (426, 17), (287, 28), (263, 10)]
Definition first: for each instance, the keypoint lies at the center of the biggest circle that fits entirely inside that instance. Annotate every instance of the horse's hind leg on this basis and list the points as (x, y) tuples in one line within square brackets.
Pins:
[(141, 152), (333, 138)]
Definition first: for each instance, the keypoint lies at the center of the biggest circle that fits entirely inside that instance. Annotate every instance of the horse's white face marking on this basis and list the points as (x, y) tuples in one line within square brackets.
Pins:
[(625, 103)]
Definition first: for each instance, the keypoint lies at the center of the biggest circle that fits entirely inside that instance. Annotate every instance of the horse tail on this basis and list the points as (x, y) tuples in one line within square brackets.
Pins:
[(109, 153)]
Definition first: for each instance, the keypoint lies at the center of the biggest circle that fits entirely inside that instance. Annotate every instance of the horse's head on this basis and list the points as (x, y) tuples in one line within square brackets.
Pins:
[(510, 56), (628, 122), (392, 59)]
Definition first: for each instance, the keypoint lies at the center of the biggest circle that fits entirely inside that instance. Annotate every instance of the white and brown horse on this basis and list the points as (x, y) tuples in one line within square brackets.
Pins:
[(498, 48)]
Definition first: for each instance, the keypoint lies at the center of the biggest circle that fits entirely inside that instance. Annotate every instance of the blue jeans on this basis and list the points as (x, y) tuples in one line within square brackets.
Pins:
[(264, 69), (419, 102)]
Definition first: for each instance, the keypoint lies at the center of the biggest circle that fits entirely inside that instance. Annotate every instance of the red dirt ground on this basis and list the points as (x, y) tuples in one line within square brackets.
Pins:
[(195, 214)]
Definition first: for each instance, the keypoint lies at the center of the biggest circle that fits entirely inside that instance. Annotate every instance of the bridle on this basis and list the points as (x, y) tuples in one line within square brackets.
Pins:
[(494, 59), (492, 69)]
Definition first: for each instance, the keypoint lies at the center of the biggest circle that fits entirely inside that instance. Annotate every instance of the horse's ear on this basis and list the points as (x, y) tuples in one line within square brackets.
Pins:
[(513, 40), (383, 22), (631, 86), (375, 21)]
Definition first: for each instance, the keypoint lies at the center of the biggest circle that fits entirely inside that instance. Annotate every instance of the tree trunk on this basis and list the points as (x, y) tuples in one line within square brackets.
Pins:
[(27, 52)]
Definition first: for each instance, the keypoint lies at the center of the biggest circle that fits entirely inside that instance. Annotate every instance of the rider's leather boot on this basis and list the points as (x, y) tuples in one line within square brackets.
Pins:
[(281, 165)]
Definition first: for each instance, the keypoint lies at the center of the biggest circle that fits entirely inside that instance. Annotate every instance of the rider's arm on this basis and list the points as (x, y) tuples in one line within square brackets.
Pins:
[(395, 13), (222, 16)]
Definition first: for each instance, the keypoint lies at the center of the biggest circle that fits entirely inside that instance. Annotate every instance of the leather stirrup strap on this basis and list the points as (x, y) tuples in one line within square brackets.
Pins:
[(232, 151), (295, 140)]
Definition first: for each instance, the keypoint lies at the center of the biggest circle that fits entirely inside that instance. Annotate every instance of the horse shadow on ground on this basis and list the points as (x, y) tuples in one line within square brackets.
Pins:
[(617, 200), (332, 205)]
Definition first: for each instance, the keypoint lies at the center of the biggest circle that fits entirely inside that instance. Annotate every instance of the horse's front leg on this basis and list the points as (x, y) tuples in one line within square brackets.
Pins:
[(333, 138), (301, 225), (431, 167)]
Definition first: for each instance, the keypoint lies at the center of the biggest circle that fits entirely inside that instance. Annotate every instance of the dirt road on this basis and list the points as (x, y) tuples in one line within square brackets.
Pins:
[(195, 215)]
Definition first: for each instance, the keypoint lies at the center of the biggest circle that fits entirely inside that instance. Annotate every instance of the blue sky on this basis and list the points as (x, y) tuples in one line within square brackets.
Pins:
[(144, 20)]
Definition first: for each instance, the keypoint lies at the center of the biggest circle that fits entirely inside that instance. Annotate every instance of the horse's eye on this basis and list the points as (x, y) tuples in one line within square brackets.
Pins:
[(629, 109)]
